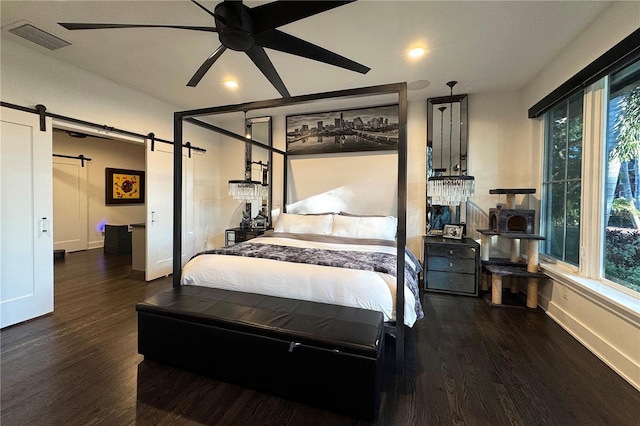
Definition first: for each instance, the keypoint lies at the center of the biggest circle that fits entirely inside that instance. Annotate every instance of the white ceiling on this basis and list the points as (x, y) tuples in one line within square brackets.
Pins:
[(486, 46)]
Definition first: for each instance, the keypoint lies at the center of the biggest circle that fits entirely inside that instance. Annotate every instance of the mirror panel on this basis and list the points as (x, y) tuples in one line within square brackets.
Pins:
[(259, 130), (447, 154)]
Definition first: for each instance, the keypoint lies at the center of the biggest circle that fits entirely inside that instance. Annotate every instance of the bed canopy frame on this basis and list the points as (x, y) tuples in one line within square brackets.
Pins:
[(192, 117)]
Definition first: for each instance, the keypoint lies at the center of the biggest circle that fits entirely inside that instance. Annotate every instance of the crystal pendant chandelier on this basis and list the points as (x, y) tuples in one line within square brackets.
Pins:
[(245, 190), (449, 189)]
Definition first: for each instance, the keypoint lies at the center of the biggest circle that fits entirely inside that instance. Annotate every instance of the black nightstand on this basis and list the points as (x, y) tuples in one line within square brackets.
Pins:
[(451, 266), (238, 235)]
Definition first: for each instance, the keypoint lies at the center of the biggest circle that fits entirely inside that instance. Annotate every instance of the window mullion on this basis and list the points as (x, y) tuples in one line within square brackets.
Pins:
[(593, 174)]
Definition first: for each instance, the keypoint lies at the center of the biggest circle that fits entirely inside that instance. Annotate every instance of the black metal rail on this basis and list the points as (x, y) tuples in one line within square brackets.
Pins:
[(80, 157), (41, 110)]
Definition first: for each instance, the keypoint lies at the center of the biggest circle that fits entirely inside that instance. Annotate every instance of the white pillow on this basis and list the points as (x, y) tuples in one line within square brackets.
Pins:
[(377, 227), (304, 224)]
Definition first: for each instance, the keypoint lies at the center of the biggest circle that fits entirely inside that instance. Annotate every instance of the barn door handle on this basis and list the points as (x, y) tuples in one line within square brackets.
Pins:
[(153, 217), (44, 225)]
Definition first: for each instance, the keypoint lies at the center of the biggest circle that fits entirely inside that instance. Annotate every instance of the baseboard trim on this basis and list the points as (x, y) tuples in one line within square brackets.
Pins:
[(617, 361), (95, 244)]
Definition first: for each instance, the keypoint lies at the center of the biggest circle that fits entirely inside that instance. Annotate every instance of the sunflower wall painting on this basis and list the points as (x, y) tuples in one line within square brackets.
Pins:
[(124, 186)]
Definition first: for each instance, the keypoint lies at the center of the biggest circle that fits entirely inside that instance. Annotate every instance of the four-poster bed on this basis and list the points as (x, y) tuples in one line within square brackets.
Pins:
[(191, 116), (335, 324)]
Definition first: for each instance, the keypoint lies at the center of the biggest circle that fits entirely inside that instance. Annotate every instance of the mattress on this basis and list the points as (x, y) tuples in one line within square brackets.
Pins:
[(343, 271)]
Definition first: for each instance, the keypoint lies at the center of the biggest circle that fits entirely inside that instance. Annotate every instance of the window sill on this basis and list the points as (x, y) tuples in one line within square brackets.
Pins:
[(617, 301)]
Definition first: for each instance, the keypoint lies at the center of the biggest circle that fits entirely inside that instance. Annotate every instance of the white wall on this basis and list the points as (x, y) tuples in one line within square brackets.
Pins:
[(30, 78), (103, 153), (609, 331), (495, 136)]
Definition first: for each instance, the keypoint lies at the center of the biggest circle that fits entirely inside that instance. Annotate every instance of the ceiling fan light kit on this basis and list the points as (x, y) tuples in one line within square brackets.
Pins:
[(250, 30)]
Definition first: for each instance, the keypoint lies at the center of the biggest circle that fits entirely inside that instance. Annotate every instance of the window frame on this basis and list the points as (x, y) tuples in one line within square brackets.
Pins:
[(566, 181), (592, 216)]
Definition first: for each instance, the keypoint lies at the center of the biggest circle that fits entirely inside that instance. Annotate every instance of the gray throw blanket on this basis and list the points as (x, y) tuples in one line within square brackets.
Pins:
[(367, 261)]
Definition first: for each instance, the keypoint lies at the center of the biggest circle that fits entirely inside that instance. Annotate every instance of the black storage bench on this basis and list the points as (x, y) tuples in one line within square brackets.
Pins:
[(320, 354)]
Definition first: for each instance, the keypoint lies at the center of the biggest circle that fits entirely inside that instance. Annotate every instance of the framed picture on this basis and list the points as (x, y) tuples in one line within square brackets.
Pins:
[(453, 231), (124, 186), (361, 129)]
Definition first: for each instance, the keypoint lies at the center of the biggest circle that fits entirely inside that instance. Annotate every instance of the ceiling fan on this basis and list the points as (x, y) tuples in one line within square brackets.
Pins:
[(250, 30)]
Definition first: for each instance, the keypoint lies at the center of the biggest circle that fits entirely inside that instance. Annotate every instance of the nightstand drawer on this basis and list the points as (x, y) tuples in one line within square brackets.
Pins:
[(450, 264), (450, 282), (451, 250)]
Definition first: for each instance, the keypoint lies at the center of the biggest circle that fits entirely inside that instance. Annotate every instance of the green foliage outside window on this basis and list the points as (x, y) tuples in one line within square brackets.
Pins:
[(563, 181), (622, 234)]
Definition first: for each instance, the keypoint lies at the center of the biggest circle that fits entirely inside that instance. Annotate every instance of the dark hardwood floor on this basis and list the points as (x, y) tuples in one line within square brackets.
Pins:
[(467, 363)]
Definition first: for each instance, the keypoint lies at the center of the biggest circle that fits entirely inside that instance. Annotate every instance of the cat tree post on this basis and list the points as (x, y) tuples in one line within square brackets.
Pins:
[(532, 266), (485, 244)]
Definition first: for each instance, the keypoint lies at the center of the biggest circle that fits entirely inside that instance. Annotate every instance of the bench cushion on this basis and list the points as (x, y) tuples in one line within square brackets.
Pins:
[(320, 354), (333, 327)]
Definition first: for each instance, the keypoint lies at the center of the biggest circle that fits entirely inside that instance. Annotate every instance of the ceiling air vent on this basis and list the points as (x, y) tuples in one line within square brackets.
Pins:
[(39, 37)]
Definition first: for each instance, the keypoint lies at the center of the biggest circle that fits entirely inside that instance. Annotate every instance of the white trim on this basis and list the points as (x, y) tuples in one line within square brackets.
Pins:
[(95, 244), (597, 296), (607, 353), (623, 305), (591, 217)]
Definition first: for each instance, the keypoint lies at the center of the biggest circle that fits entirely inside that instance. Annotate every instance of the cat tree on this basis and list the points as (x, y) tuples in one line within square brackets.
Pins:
[(516, 225)]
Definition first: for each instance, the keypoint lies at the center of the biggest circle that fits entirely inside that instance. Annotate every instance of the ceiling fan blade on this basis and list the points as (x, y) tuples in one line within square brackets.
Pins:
[(205, 66), (287, 43), (278, 13), (262, 61), (80, 26), (203, 8)]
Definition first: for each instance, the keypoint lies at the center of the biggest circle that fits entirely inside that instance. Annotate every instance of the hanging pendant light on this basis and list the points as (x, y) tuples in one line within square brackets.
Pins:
[(245, 190), (449, 189)]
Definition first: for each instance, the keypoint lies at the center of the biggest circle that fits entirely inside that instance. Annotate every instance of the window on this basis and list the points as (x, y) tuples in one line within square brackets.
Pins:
[(592, 221), (622, 179), (562, 182)]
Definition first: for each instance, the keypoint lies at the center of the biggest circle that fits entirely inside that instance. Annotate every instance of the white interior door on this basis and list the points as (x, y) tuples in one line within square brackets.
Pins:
[(26, 240), (159, 224), (70, 221)]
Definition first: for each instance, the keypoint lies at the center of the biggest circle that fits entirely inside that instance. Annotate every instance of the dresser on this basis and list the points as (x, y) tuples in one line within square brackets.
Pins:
[(451, 266)]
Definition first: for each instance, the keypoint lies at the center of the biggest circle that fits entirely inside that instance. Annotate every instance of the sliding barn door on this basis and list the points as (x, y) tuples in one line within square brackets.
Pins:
[(159, 228), (26, 237)]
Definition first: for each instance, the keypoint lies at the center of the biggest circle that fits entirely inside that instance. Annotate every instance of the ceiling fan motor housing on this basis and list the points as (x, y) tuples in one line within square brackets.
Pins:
[(235, 32)]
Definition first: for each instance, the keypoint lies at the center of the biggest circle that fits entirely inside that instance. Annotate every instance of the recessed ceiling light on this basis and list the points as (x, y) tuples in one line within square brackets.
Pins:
[(231, 84), (416, 52)]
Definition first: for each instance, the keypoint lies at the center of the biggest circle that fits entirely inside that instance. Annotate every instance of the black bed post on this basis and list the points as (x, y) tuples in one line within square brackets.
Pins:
[(402, 223), (177, 198)]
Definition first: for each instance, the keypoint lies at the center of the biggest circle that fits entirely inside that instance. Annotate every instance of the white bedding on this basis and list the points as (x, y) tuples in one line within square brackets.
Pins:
[(326, 284)]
